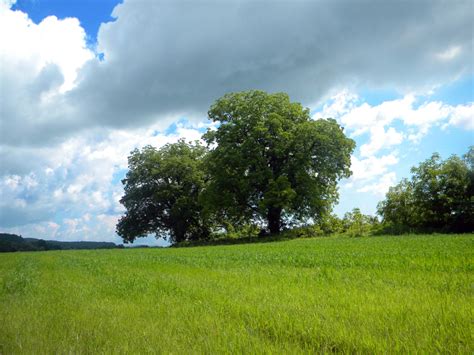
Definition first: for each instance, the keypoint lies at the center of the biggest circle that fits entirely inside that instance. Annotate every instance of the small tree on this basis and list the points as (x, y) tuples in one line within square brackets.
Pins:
[(330, 223), (162, 191), (271, 162), (356, 224), (398, 208)]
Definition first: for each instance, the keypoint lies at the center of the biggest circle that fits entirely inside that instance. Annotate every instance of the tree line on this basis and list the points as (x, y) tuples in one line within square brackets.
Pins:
[(12, 242), (269, 167), (439, 197)]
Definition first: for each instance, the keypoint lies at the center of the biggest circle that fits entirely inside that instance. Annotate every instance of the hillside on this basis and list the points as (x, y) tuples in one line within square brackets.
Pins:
[(371, 295), (13, 242)]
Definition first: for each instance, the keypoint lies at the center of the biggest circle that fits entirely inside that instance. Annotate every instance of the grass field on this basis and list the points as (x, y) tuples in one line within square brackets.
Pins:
[(370, 295)]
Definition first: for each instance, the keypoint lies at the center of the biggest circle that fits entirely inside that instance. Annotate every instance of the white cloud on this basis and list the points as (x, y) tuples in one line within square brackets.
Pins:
[(78, 180), (6, 4), (463, 116), (109, 221), (53, 228), (340, 103), (165, 59), (12, 181), (381, 186), (27, 48), (408, 110), (426, 114), (372, 174), (38, 64), (371, 167), (449, 54), (379, 139), (71, 225), (416, 116)]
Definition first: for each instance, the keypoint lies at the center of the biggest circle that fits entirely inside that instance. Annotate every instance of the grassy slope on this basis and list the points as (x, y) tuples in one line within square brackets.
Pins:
[(333, 294)]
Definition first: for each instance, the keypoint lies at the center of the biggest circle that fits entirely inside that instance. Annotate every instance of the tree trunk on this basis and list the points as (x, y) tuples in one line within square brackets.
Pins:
[(179, 231), (274, 217)]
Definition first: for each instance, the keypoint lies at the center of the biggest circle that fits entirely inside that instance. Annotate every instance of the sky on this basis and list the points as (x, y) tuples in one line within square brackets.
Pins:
[(84, 82)]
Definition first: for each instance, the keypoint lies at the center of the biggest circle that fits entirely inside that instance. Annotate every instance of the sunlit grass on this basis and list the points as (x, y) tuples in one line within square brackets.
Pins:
[(371, 295)]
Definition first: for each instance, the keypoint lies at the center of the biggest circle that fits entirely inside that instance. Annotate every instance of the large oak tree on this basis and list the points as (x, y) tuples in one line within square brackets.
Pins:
[(271, 162)]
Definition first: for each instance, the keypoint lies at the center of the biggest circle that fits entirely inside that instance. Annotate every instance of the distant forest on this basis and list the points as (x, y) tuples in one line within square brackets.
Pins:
[(13, 242)]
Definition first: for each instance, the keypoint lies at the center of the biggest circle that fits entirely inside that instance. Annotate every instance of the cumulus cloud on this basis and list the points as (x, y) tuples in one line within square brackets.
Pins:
[(80, 181), (164, 58), (368, 168), (380, 138), (414, 115), (417, 114), (463, 116), (372, 175), (381, 186), (39, 63), (192, 53), (450, 53)]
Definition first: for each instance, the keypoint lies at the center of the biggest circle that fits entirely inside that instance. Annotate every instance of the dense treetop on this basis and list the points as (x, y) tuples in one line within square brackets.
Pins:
[(271, 161), (162, 189)]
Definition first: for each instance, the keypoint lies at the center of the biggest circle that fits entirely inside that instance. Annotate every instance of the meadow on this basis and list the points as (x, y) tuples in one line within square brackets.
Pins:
[(333, 294)]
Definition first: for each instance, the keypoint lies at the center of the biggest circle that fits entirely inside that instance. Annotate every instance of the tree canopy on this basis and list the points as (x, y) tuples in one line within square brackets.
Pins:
[(271, 162), (439, 196), (162, 191)]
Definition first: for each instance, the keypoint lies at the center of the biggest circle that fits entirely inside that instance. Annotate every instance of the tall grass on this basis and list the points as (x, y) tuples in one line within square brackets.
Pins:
[(371, 295)]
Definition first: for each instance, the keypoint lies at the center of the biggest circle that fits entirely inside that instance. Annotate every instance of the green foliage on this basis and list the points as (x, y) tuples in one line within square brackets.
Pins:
[(410, 294), (353, 224), (271, 162), (162, 193), (439, 197), (330, 224), (13, 242), (309, 231), (235, 232), (356, 224), (398, 208)]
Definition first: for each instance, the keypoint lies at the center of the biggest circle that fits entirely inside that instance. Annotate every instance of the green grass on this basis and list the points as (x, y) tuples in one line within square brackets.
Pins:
[(369, 295)]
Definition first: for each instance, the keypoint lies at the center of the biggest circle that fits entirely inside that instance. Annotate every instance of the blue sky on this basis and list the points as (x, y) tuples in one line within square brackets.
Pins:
[(91, 13), (85, 82)]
